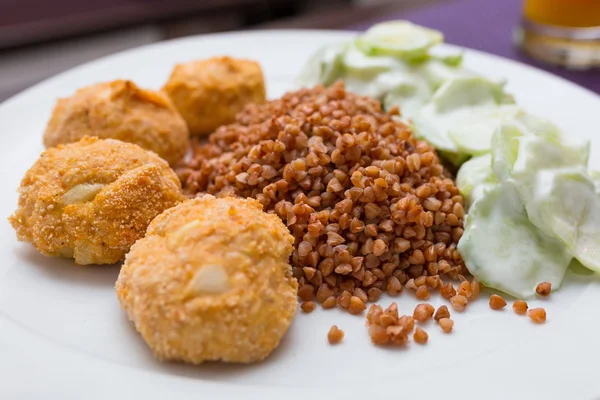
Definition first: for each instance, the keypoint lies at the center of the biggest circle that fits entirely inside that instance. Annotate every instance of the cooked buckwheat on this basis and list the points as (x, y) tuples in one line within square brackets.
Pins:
[(364, 199)]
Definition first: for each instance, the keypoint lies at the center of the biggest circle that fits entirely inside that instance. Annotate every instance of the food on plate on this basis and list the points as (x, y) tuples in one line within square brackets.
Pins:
[(332, 194), (335, 335), (209, 93), (459, 302), (386, 327), (308, 306), (211, 281), (595, 176), (544, 289), (537, 315), (370, 206), (497, 302), (441, 312), (525, 182), (420, 336), (475, 177), (120, 110), (504, 250), (422, 292), (446, 324), (462, 115), (423, 312), (92, 199), (401, 39), (533, 193), (520, 307), (398, 62)]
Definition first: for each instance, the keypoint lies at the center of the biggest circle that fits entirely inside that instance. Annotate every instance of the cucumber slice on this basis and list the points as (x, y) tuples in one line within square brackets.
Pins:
[(436, 72), (462, 93), (518, 153), (451, 60), (475, 177), (544, 129), (505, 149), (359, 64), (474, 134), (452, 106), (410, 95), (565, 204), (578, 269), (504, 250), (324, 67), (595, 176), (401, 39), (379, 85)]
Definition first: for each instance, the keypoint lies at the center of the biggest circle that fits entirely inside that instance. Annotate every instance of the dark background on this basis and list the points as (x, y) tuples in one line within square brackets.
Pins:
[(23, 22), (40, 38)]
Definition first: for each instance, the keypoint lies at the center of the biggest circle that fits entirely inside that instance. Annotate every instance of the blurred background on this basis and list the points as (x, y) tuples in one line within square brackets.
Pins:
[(40, 38)]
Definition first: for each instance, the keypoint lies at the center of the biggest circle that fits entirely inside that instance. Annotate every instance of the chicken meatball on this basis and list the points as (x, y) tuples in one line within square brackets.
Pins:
[(120, 110), (91, 200), (209, 93), (211, 281)]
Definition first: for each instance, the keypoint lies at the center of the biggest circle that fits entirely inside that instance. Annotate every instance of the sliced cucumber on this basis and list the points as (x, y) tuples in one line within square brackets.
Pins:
[(595, 176), (474, 134), (324, 67), (379, 85), (358, 63), (518, 154), (505, 149), (463, 93), (565, 204), (452, 106), (574, 145), (475, 177), (452, 60), (401, 39), (504, 250), (410, 95), (436, 72)]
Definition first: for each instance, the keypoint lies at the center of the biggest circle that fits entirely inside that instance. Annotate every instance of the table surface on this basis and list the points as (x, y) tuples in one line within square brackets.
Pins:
[(485, 25)]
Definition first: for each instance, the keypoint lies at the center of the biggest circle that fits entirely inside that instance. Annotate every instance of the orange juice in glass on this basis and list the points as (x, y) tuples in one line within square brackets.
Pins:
[(563, 32)]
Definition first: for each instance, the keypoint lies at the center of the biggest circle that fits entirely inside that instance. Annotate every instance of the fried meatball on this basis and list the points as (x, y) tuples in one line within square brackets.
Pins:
[(211, 281), (120, 110), (91, 200), (209, 93)]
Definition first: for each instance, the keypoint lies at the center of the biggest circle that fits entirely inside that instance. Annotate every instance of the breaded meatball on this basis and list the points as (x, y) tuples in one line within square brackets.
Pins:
[(211, 281), (120, 110), (209, 93), (91, 200)]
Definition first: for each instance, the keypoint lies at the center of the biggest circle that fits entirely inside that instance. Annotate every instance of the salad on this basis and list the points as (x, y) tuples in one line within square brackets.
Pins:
[(534, 207)]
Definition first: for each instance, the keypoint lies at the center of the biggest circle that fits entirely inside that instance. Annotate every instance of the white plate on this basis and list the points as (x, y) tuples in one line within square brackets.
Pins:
[(63, 335)]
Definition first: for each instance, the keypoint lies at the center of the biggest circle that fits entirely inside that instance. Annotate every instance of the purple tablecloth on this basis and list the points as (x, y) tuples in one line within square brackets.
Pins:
[(485, 25)]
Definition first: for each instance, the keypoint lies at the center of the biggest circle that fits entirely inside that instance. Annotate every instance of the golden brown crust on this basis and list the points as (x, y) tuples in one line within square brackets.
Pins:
[(120, 110), (93, 199), (244, 321), (209, 93)]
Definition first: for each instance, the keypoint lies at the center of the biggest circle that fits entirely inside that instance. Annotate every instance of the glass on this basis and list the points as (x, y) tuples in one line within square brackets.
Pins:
[(562, 32)]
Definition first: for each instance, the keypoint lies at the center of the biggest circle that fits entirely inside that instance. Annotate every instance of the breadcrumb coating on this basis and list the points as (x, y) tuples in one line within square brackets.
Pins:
[(120, 110), (209, 93), (91, 200), (211, 281)]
